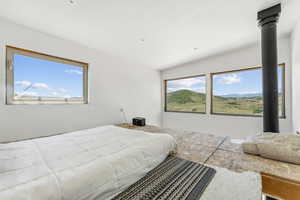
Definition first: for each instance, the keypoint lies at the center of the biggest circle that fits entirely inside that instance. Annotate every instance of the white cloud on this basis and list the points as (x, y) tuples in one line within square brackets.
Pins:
[(230, 79), (187, 82), (55, 94), (31, 94), (41, 86), (249, 92), (33, 85), (67, 96), (237, 93), (172, 89), (199, 90), (62, 90), (73, 71), (23, 83)]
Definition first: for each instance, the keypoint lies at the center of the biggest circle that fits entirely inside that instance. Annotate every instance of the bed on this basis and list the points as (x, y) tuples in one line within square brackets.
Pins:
[(99, 163)]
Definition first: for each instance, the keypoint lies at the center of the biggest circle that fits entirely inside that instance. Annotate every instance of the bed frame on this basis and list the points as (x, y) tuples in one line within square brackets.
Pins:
[(280, 188)]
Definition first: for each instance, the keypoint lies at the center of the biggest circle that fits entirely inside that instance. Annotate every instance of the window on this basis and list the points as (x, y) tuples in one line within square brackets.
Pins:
[(186, 95), (240, 92), (35, 78)]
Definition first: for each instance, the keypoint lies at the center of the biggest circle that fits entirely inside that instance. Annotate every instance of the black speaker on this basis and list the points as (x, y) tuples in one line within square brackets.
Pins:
[(139, 121)]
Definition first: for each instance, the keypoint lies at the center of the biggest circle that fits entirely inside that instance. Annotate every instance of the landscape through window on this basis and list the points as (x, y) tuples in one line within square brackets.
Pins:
[(240, 92), (186, 95), (36, 79)]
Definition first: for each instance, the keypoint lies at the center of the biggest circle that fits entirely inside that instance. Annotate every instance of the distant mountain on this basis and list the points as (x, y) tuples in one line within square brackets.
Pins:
[(185, 96), (246, 95), (188, 96)]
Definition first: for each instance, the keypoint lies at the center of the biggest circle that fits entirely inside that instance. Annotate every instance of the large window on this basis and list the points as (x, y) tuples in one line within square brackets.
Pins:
[(38, 78), (186, 95), (240, 92)]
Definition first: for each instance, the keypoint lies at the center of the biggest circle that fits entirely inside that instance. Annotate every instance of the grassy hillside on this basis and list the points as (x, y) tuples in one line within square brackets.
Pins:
[(190, 101), (242, 105), (186, 100)]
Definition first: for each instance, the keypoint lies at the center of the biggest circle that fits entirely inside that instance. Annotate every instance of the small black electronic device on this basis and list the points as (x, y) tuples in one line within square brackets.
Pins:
[(139, 121)]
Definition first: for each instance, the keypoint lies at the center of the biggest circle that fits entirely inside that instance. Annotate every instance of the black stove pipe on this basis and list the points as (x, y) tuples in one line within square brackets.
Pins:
[(268, 22)]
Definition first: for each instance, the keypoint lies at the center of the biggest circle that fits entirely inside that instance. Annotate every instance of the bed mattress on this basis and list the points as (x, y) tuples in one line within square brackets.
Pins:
[(90, 164)]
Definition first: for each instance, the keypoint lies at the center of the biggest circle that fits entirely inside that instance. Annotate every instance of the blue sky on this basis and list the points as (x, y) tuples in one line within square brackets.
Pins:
[(37, 77), (244, 82)]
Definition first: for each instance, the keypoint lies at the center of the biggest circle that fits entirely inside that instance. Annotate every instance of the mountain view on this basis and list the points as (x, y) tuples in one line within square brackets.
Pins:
[(191, 101), (236, 93), (186, 100), (238, 104)]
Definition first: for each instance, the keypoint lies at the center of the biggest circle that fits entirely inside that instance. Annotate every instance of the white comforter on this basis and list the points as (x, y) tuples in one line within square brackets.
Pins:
[(90, 164)]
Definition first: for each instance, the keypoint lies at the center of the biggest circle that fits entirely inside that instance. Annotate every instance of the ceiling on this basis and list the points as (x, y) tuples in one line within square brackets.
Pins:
[(154, 33)]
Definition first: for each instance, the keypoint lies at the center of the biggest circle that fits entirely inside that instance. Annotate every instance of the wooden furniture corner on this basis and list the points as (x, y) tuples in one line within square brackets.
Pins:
[(280, 187)]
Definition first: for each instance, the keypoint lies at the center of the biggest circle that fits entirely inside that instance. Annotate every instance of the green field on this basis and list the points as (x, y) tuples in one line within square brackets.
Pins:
[(189, 101), (240, 106)]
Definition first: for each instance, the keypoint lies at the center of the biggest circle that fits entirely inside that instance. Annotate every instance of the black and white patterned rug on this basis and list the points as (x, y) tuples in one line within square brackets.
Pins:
[(175, 178)]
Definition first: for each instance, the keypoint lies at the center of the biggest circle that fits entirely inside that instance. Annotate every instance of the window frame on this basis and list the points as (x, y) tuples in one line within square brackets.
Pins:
[(185, 77), (10, 100), (282, 115)]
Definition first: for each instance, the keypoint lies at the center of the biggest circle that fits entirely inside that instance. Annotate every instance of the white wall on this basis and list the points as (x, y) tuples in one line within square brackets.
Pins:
[(295, 43), (237, 127), (113, 83)]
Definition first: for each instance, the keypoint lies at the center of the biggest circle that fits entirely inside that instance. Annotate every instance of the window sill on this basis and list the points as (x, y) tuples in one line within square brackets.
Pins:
[(46, 103), (221, 114), (185, 112), (241, 115)]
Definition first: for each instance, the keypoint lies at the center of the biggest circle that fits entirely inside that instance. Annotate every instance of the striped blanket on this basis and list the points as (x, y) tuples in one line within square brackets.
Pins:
[(175, 178)]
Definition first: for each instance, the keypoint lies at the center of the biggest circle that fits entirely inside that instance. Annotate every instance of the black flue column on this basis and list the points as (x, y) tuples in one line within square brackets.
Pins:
[(268, 21)]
